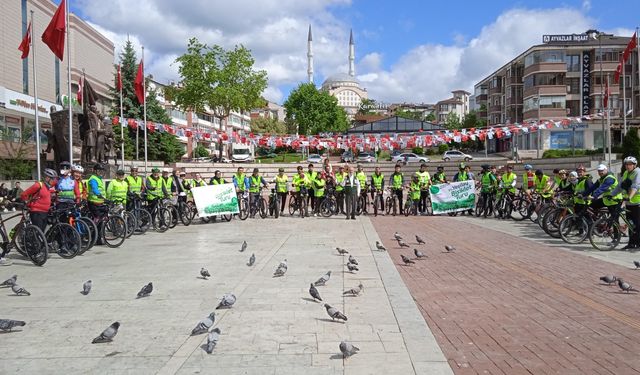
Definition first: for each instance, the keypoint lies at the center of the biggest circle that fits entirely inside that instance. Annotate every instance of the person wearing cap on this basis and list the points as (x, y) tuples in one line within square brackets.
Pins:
[(601, 191), (282, 181), (397, 182), (311, 176), (582, 185), (629, 185), (564, 186), (67, 189), (97, 192), (377, 182), (542, 184), (134, 182), (117, 189), (488, 183), (425, 182), (509, 180), (439, 177), (154, 188), (340, 175), (527, 180), (167, 182), (254, 188)]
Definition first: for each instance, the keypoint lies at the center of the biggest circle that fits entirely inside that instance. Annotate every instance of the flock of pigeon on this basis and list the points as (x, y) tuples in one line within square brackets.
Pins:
[(623, 285), (419, 255)]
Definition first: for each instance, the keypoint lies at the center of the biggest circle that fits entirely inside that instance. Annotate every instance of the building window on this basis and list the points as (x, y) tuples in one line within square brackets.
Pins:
[(573, 108), (444, 107), (544, 79), (553, 101), (550, 56), (566, 139), (573, 85), (573, 63), (607, 54)]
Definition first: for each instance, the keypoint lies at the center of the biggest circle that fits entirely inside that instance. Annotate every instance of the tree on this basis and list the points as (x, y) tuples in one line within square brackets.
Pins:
[(164, 146), (453, 121), (268, 125), (411, 115), (471, 120), (631, 144), (315, 111), (367, 106), (218, 80), (431, 117), (16, 166), (201, 151)]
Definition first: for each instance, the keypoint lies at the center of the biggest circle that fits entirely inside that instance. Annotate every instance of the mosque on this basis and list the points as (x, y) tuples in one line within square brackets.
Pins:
[(345, 87)]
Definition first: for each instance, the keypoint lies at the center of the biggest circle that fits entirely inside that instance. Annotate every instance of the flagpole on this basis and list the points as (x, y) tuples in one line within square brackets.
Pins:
[(608, 109), (121, 117), (624, 99), (144, 105), (35, 100), (68, 29)]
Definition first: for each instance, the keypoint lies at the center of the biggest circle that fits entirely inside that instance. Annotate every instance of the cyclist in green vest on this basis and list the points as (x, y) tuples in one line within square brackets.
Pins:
[(509, 180), (167, 181), (319, 185), (78, 171), (311, 176), (629, 186), (135, 184), (154, 189), (282, 181), (488, 183), (300, 183), (254, 188), (415, 188), (582, 185), (377, 183), (397, 182), (198, 181), (340, 175), (464, 174), (555, 182), (565, 186), (425, 182), (601, 191), (362, 177), (217, 178), (118, 188), (97, 194), (542, 184), (439, 177)]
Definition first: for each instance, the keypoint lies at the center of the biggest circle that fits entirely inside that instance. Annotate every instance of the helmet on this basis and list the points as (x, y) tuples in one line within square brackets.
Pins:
[(630, 159), (50, 173), (65, 165), (461, 165), (485, 166), (528, 167), (440, 167), (573, 174), (98, 167), (120, 172), (562, 171), (539, 172), (133, 168), (155, 170)]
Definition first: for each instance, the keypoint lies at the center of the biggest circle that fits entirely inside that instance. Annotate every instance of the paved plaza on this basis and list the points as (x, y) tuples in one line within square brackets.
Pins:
[(274, 328)]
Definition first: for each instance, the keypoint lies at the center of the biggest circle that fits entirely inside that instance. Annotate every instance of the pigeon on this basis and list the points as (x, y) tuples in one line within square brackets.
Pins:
[(146, 290), (10, 281), (227, 301), (86, 287), (348, 349), (352, 267), (608, 279), (354, 291), (353, 260), (419, 254), (406, 260), (450, 249), (283, 264), (244, 246), (342, 251), (108, 334), (212, 340), (635, 263), (204, 273), (252, 260), (380, 246), (397, 236), (334, 313), (323, 280), (281, 270), (420, 240), (7, 325), (19, 291), (625, 286), (204, 325), (402, 244), (314, 292)]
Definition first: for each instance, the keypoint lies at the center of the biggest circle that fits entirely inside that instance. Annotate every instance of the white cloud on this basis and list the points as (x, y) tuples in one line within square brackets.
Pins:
[(586, 5)]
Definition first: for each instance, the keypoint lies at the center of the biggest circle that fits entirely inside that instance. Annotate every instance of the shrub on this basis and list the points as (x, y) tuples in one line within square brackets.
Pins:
[(384, 155), (430, 151), (442, 148), (418, 150)]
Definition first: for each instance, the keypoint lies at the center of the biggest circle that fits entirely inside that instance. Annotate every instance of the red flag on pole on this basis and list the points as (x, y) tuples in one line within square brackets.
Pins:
[(119, 82), (53, 35), (606, 95), (26, 43), (616, 75), (139, 83), (630, 47), (80, 89)]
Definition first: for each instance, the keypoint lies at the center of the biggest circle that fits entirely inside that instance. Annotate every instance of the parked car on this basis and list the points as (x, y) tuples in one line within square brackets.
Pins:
[(456, 155), (395, 153), (346, 157), (366, 157), (410, 157), (315, 159)]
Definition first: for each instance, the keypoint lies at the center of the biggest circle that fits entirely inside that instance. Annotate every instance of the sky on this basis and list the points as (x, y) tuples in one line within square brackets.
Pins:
[(406, 50)]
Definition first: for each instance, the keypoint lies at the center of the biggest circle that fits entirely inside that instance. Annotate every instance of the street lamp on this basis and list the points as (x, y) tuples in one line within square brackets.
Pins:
[(595, 34), (537, 100)]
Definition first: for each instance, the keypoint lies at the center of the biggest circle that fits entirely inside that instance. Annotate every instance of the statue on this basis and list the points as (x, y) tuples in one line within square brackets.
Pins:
[(109, 149), (89, 140)]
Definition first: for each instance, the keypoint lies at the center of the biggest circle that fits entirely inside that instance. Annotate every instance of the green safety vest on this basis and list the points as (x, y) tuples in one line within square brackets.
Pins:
[(298, 182), (607, 198), (425, 179), (82, 188), (311, 176), (216, 182), (339, 178), (281, 183), (557, 180), (631, 176), (377, 180), (117, 191), (93, 198), (397, 181), (319, 188), (579, 189), (240, 181), (167, 183), (135, 184), (541, 185), (362, 177), (439, 177), (462, 176), (415, 190), (195, 183), (507, 180), (156, 188), (487, 182), (254, 184)]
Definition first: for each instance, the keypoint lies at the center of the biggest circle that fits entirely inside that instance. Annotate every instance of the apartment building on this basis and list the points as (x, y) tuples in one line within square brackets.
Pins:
[(556, 80), (458, 104)]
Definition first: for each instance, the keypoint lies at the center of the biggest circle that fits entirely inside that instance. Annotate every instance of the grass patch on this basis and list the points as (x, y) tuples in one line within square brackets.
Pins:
[(281, 158)]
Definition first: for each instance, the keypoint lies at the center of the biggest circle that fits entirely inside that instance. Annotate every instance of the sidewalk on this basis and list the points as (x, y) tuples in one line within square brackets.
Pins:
[(274, 327)]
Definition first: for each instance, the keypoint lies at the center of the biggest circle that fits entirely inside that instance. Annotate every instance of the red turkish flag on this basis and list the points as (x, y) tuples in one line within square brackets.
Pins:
[(607, 92), (633, 43), (53, 35), (80, 87), (138, 84), (26, 43), (119, 82)]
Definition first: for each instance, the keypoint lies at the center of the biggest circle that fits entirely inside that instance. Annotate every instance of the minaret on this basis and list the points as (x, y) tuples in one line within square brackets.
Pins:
[(310, 56), (352, 56)]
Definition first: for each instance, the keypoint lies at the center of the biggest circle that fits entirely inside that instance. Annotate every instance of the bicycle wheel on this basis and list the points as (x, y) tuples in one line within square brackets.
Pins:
[(573, 229), (131, 221), (360, 206), (551, 223), (604, 235), (64, 240), (479, 206), (92, 228), (293, 206), (519, 209), (85, 235), (143, 220), (325, 208), (114, 231), (243, 213), (388, 203), (276, 206), (18, 239), (407, 207), (35, 245), (186, 214), (175, 217), (262, 207), (161, 220)]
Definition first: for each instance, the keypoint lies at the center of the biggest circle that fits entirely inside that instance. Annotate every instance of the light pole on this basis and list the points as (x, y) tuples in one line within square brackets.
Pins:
[(539, 135), (595, 34)]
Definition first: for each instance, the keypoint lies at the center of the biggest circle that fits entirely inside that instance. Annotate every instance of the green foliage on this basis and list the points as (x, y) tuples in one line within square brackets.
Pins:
[(418, 150), (431, 117), (129, 141), (442, 148), (384, 155), (408, 114), (453, 121), (162, 146), (264, 125), (430, 151), (631, 144), (315, 111), (201, 152), (367, 106), (551, 154), (16, 167), (471, 120)]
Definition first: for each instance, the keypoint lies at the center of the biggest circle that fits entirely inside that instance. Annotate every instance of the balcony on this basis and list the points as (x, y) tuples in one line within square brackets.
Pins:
[(495, 108), (495, 90), (549, 67), (514, 80), (546, 90), (482, 98), (607, 66), (546, 114)]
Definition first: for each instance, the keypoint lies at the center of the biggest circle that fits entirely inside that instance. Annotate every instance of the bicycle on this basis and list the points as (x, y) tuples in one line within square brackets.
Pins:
[(161, 217), (243, 205), (258, 205), (84, 226), (112, 227), (299, 203), (185, 211), (363, 201), (378, 201), (605, 233), (411, 206), (61, 236), (503, 204), (274, 204), (392, 203), (143, 217), (574, 228), (129, 217), (329, 203), (167, 203), (484, 206), (28, 239)]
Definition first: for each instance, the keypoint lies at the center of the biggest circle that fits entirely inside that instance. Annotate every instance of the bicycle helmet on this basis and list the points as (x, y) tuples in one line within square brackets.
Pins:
[(50, 173), (573, 175), (120, 172), (65, 165), (98, 167), (630, 159), (78, 168), (528, 167), (485, 166), (539, 172)]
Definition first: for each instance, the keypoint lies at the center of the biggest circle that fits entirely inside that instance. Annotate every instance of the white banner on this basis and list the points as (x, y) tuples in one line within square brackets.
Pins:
[(453, 197), (212, 200)]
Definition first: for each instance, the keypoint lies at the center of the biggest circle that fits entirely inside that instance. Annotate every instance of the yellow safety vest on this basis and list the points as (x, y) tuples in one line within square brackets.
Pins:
[(156, 188), (117, 191), (281, 183), (93, 198)]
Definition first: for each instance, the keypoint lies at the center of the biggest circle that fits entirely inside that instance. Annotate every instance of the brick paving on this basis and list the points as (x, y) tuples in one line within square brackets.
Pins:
[(503, 304)]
